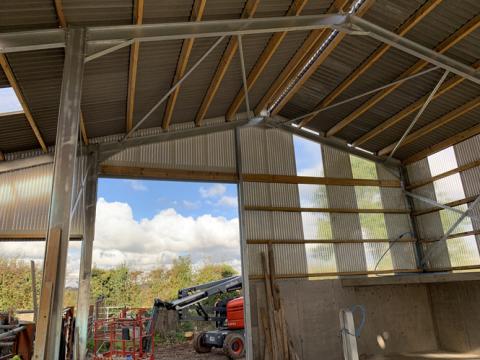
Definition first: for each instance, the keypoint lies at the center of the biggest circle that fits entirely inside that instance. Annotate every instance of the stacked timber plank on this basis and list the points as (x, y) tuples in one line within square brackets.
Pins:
[(278, 345)]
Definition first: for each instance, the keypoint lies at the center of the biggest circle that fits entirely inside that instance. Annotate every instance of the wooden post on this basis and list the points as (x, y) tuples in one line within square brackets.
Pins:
[(34, 291)]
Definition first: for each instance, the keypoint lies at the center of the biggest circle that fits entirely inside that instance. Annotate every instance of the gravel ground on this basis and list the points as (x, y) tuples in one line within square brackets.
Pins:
[(185, 352)]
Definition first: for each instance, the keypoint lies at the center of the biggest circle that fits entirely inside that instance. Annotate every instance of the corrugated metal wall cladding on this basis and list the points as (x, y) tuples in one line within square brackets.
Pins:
[(3, 80), (266, 194), (267, 152), (213, 152), (25, 198), (467, 151), (16, 134), (97, 13), (17, 15)]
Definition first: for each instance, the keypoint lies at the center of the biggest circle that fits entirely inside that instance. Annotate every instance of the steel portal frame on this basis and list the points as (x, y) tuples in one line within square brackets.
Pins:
[(98, 41)]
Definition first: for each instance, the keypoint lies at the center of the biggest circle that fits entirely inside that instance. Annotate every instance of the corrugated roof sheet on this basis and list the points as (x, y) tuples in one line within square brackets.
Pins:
[(106, 79)]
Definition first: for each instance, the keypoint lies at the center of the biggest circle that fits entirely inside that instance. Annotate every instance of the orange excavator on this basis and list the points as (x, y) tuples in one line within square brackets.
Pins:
[(227, 314)]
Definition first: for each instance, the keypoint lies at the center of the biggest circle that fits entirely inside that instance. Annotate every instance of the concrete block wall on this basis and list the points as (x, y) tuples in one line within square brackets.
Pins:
[(312, 307), (456, 312)]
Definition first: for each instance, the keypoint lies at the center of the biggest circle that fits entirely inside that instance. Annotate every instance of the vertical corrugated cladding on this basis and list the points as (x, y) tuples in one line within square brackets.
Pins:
[(349, 257), (210, 152), (25, 199), (429, 225), (466, 152), (272, 152), (403, 254)]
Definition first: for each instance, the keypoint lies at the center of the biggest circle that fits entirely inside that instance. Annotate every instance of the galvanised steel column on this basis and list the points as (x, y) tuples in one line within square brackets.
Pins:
[(83, 301), (48, 330), (243, 248)]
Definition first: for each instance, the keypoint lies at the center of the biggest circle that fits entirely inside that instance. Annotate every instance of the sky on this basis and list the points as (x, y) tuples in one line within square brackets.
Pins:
[(8, 100)]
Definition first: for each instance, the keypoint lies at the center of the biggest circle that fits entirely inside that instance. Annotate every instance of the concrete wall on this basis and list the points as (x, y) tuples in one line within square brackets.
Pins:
[(312, 307), (456, 311)]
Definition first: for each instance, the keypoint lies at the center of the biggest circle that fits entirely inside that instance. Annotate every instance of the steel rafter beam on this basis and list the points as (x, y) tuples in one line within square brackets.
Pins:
[(279, 123), (275, 41), (227, 57), (187, 45), (423, 11), (432, 202), (47, 341), (426, 55)]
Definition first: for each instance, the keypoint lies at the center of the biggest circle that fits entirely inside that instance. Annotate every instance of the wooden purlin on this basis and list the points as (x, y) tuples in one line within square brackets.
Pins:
[(187, 45), (275, 41), (227, 57), (300, 57), (133, 68), (312, 68), (424, 10), (452, 40)]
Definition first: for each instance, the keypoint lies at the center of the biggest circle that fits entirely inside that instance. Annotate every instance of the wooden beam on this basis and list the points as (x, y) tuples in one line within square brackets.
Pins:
[(317, 63), (458, 169), (227, 57), (423, 11), (300, 57), (452, 40), (447, 86), (30, 236), (455, 139), (187, 45), (168, 174), (445, 119), (60, 15), (331, 274), (16, 87), (326, 210), (83, 130), (295, 9), (133, 67), (327, 241), (2, 156), (291, 179)]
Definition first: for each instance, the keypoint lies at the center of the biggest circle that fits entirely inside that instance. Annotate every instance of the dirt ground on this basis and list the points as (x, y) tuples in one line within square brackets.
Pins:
[(185, 352)]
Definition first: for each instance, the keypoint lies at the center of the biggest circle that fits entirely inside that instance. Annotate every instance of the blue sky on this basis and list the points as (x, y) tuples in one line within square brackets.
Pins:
[(148, 197), (8, 100)]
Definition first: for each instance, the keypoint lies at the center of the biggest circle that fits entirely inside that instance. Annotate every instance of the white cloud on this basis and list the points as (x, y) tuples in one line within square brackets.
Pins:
[(213, 191), (191, 205), (137, 185), (228, 201), (148, 243)]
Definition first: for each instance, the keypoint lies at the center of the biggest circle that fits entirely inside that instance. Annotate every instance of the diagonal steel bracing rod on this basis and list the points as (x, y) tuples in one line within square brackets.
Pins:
[(432, 202), (420, 112), (316, 112), (244, 74), (172, 89), (433, 248)]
